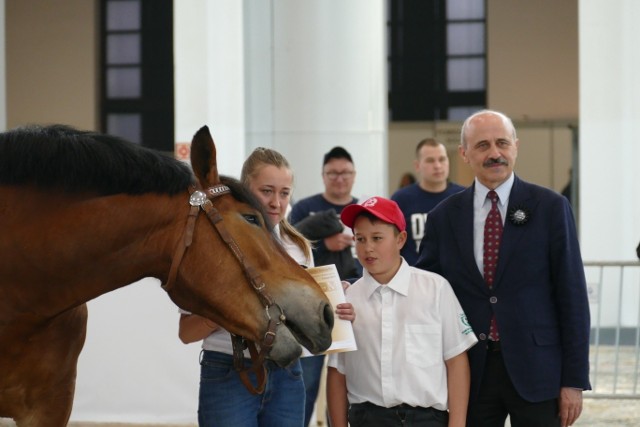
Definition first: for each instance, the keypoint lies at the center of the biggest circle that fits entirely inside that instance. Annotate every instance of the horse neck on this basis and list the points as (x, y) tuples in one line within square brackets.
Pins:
[(85, 247)]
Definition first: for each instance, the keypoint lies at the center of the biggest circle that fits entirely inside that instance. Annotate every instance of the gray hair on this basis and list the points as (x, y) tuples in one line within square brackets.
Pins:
[(505, 119)]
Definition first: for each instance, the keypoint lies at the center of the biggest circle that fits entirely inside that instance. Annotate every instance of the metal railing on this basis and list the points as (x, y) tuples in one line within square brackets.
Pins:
[(614, 296)]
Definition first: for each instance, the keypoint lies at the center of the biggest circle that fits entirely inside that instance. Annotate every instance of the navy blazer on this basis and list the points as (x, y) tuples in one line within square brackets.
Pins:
[(539, 294)]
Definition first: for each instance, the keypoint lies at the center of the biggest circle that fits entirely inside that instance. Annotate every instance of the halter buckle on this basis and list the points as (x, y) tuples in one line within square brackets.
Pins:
[(197, 198), (281, 318)]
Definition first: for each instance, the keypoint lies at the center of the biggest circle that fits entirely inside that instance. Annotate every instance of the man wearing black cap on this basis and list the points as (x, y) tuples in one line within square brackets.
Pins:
[(318, 219)]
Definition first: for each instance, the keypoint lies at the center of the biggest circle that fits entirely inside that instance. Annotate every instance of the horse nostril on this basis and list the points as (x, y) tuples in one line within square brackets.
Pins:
[(328, 315)]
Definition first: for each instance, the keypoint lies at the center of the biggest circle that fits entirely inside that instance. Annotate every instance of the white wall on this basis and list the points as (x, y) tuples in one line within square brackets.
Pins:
[(209, 76), (316, 79), (133, 367), (609, 129), (609, 151)]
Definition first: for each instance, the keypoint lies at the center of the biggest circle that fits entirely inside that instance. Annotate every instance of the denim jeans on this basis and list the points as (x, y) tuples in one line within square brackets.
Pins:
[(225, 402), (311, 371)]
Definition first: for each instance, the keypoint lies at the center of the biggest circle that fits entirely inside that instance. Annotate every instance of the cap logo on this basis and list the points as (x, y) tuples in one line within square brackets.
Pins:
[(371, 202)]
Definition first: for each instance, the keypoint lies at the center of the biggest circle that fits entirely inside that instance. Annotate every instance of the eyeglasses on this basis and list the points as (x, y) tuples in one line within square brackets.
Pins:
[(333, 175)]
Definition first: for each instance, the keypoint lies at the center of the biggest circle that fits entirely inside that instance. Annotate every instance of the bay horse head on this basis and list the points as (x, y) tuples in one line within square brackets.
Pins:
[(266, 297)]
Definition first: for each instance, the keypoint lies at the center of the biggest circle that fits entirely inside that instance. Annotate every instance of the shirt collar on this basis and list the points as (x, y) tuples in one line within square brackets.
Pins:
[(503, 190), (399, 283)]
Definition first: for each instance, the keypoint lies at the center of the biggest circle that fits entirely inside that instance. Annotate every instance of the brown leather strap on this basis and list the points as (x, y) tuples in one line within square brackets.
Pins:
[(183, 244), (240, 343), (257, 367)]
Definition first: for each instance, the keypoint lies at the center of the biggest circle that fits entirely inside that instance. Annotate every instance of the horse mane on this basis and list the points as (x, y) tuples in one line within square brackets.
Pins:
[(59, 156)]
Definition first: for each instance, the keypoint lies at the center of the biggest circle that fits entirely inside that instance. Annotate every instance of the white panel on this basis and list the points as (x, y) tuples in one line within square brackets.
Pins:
[(609, 129), (465, 9), (190, 67), (465, 39), (466, 74), (318, 81), (329, 65), (123, 82), (123, 49), (209, 76), (123, 15), (259, 87), (133, 367)]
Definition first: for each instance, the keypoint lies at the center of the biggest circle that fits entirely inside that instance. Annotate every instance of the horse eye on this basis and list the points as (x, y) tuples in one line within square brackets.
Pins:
[(252, 219)]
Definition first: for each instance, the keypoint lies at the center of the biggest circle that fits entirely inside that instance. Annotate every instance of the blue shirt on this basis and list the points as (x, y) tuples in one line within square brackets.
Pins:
[(416, 203)]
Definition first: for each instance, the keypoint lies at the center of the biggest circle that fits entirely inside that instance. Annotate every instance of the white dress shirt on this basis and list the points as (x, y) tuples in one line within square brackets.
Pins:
[(481, 208), (405, 331)]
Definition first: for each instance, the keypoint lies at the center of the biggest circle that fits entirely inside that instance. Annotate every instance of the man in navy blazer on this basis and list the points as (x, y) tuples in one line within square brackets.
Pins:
[(537, 368)]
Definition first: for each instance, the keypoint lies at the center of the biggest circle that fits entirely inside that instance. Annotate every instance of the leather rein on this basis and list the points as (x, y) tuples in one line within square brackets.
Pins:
[(200, 200)]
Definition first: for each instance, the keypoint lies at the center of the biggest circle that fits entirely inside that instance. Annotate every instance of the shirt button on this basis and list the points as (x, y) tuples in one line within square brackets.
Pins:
[(482, 337), (493, 300)]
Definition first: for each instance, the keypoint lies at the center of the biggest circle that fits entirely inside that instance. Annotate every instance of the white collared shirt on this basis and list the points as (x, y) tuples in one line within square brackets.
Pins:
[(481, 208), (405, 331)]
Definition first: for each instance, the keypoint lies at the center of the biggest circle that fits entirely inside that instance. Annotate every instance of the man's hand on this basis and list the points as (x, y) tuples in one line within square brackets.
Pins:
[(570, 405), (338, 242)]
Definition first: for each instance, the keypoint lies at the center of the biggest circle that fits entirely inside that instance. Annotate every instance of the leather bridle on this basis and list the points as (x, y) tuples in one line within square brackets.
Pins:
[(202, 200)]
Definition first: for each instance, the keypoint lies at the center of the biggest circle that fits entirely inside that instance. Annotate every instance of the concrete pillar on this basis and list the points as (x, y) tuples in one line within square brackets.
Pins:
[(300, 77), (609, 129)]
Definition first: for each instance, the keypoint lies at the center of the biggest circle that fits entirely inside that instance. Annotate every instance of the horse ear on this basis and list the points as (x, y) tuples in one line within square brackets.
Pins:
[(203, 158)]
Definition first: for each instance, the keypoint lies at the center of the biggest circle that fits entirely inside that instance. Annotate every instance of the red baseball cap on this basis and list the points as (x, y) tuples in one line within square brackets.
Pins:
[(384, 209)]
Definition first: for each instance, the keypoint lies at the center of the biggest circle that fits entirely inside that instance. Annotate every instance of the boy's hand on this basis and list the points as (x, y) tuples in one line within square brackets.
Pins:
[(345, 311)]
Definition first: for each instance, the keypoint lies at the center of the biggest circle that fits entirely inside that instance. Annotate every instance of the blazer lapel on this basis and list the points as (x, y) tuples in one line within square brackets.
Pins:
[(461, 222), (520, 196)]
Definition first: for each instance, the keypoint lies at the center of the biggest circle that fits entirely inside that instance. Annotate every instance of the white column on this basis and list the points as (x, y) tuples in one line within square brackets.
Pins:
[(209, 76), (316, 79), (609, 129), (300, 77)]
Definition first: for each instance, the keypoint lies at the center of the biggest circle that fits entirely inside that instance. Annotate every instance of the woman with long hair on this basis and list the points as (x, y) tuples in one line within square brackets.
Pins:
[(223, 398)]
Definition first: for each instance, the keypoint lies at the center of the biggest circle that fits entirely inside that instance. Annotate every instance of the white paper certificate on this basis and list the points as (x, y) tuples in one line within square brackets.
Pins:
[(342, 333)]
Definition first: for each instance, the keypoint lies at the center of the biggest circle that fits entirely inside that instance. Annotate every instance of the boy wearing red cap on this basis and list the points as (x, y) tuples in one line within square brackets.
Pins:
[(411, 366)]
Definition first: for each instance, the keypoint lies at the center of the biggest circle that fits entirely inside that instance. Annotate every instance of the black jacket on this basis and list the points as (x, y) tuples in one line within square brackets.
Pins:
[(316, 228)]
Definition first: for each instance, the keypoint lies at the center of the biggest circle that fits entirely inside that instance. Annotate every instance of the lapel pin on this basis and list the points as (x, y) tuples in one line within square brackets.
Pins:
[(519, 215)]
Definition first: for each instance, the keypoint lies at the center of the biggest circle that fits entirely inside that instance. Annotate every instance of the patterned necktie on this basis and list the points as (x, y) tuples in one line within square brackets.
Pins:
[(492, 237)]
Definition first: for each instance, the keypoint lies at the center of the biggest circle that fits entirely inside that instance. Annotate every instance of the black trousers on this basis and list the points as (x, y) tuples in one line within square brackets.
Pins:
[(498, 398), (370, 415)]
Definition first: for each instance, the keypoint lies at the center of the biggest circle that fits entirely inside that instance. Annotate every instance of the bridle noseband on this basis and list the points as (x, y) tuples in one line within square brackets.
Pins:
[(200, 200)]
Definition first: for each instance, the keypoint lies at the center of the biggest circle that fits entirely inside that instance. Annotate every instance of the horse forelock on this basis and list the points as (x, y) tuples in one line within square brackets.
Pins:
[(72, 160)]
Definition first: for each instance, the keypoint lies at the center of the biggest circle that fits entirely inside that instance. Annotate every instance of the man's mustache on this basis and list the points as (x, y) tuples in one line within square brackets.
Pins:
[(498, 161)]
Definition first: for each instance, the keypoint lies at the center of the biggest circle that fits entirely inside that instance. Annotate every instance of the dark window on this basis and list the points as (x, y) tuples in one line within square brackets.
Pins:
[(436, 58), (137, 71)]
